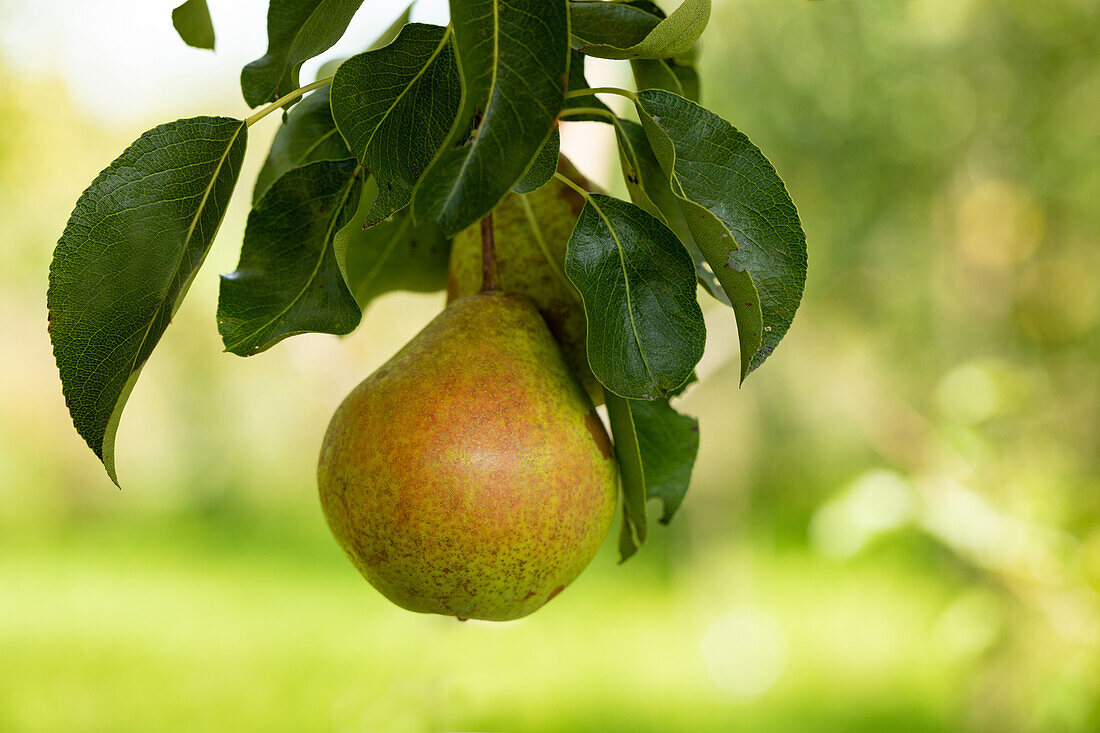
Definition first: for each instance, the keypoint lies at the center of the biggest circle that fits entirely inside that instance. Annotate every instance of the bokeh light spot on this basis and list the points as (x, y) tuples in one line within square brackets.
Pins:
[(968, 394), (744, 653), (875, 502), (999, 224)]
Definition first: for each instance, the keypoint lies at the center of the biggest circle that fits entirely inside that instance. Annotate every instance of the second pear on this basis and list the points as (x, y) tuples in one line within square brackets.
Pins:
[(531, 234)]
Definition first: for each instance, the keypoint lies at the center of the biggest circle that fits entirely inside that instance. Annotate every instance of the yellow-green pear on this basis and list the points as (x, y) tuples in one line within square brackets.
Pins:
[(470, 475), (531, 233)]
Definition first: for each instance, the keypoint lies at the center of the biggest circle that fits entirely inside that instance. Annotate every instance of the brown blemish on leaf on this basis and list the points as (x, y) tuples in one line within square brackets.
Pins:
[(595, 427)]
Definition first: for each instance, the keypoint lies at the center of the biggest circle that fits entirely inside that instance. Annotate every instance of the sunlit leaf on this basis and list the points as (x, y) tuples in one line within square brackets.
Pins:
[(288, 280), (645, 328), (395, 107), (133, 244), (192, 21), (514, 60), (626, 31), (739, 212), (297, 30)]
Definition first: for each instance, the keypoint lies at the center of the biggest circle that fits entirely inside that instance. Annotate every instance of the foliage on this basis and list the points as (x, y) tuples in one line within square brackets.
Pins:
[(414, 140)]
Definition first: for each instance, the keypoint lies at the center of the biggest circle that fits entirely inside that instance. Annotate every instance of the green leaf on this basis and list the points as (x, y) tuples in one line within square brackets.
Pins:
[(611, 30), (297, 30), (288, 280), (192, 21), (649, 188), (309, 135), (631, 473), (739, 212), (133, 244), (543, 166), (514, 60), (645, 328), (618, 24), (656, 449), (395, 107), (628, 545), (396, 254), (668, 443)]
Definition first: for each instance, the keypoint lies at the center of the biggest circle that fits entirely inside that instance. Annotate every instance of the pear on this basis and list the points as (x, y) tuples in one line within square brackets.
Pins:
[(530, 260), (470, 475)]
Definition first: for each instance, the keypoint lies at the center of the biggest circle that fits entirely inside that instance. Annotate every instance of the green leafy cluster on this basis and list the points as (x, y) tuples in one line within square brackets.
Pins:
[(375, 168)]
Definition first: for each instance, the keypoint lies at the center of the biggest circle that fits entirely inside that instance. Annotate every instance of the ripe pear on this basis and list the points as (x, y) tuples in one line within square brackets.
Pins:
[(530, 260), (470, 475)]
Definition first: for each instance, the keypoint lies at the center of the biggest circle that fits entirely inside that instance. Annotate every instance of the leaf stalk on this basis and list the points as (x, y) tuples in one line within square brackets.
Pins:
[(601, 90), (282, 101)]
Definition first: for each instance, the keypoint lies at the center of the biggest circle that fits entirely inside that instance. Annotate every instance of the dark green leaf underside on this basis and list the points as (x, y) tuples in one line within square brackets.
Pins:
[(133, 244)]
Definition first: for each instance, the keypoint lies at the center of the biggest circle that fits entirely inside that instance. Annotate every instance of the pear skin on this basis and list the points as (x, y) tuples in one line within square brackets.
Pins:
[(470, 475), (534, 268)]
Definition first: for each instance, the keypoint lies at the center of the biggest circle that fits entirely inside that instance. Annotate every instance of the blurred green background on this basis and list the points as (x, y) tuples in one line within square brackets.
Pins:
[(892, 527)]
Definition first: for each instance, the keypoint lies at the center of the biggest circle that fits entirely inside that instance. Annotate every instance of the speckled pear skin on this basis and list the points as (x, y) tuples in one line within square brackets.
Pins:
[(522, 266), (470, 475)]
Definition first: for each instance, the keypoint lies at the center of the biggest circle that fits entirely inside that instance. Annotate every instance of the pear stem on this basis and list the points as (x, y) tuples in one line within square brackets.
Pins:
[(488, 255)]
